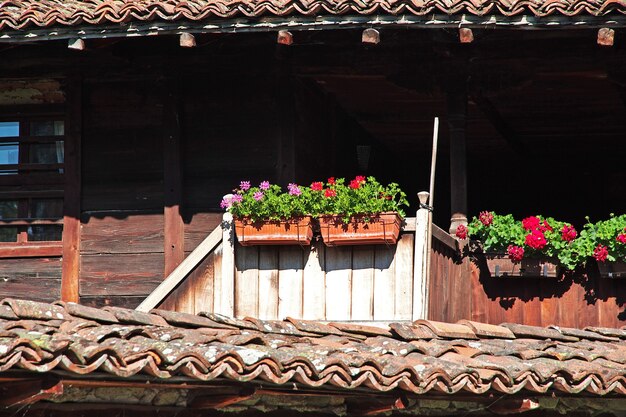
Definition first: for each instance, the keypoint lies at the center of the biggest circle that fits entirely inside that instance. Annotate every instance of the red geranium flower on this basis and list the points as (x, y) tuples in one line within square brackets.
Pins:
[(621, 238), (536, 240), (531, 223), (331, 181), (360, 178), (516, 253), (486, 217), (354, 184), (330, 193), (568, 233), (545, 226), (461, 231), (601, 253), (317, 186)]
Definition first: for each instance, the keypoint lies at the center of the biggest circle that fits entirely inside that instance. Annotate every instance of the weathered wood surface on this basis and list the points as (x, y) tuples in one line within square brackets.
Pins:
[(33, 278)]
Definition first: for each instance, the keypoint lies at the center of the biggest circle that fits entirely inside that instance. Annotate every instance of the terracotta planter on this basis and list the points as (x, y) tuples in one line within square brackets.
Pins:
[(500, 265), (382, 229), (296, 231), (612, 269)]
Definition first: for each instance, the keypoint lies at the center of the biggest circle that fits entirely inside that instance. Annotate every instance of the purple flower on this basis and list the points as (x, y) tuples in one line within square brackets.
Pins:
[(226, 203), (294, 189), (258, 196), (244, 185), (237, 198), (265, 185)]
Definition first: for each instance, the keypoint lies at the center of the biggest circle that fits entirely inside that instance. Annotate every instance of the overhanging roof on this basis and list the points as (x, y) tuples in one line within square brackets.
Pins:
[(422, 358)]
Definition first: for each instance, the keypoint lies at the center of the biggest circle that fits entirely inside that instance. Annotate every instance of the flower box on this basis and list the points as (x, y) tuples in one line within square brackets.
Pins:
[(500, 265), (296, 231), (378, 229), (612, 269)]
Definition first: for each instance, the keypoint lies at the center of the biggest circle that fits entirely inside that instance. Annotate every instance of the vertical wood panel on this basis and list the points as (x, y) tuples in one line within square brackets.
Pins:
[(268, 283), (338, 282), (247, 281), (70, 274), (217, 279), (291, 263), (203, 278), (174, 233), (404, 278), (362, 283), (314, 285), (384, 288)]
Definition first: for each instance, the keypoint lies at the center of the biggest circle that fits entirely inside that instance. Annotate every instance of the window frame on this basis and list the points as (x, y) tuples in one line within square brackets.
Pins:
[(32, 184)]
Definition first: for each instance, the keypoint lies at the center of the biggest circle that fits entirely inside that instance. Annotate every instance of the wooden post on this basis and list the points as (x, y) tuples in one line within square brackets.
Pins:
[(174, 228), (71, 199), (227, 285), (457, 114), (420, 276)]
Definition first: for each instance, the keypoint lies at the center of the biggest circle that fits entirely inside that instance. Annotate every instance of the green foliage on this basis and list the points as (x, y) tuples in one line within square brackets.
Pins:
[(361, 196), (606, 233), (497, 236)]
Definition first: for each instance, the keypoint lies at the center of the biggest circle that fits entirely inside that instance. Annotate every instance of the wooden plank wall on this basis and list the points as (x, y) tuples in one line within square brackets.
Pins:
[(458, 291), (31, 278), (321, 283)]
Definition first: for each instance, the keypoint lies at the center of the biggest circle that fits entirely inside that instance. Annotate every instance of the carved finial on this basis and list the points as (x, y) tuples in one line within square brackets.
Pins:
[(423, 196)]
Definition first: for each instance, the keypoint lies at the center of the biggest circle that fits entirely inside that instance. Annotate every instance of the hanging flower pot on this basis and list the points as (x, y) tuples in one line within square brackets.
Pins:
[(501, 265), (376, 229), (295, 231)]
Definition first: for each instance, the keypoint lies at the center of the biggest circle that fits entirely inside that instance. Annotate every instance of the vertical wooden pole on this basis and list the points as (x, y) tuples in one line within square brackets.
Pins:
[(227, 284), (174, 228), (71, 198), (457, 115), (420, 276)]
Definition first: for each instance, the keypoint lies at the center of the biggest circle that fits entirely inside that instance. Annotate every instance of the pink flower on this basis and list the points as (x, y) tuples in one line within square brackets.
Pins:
[(226, 203), (601, 253), (536, 240), (516, 253), (621, 238), (331, 181), (317, 186), (237, 198), (461, 231), (258, 196), (330, 193), (568, 233), (294, 189), (486, 217), (244, 185), (531, 223), (265, 185)]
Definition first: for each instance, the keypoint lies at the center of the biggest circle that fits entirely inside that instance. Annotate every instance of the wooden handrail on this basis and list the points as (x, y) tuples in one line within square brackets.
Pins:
[(182, 270), (445, 238)]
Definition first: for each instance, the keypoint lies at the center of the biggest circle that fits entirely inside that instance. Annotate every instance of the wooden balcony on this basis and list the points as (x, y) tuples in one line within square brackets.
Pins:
[(350, 283)]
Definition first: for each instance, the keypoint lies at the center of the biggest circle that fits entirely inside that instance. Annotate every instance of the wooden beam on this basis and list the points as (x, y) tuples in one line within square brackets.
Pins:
[(187, 40), (21, 393), (370, 36), (466, 35), (456, 101), (182, 270), (71, 202), (174, 228), (77, 44), (284, 37), (606, 37)]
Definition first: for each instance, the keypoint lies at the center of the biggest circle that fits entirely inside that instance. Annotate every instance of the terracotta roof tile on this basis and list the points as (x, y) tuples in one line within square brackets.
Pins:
[(19, 14), (429, 357)]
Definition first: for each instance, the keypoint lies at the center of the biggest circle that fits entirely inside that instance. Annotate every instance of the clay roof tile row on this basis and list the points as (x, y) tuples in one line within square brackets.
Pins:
[(19, 14), (420, 357)]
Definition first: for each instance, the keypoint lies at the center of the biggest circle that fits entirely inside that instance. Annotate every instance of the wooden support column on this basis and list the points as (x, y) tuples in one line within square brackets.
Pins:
[(457, 114), (421, 255), (71, 198), (174, 230)]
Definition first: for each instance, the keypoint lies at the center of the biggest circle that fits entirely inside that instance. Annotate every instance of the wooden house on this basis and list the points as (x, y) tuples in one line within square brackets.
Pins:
[(123, 124)]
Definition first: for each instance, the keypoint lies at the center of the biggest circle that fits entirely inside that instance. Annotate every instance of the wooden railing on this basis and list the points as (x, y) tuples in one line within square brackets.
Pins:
[(350, 283)]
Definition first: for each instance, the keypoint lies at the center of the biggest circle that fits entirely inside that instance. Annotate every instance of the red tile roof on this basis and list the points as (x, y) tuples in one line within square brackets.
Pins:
[(422, 357), (18, 14)]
